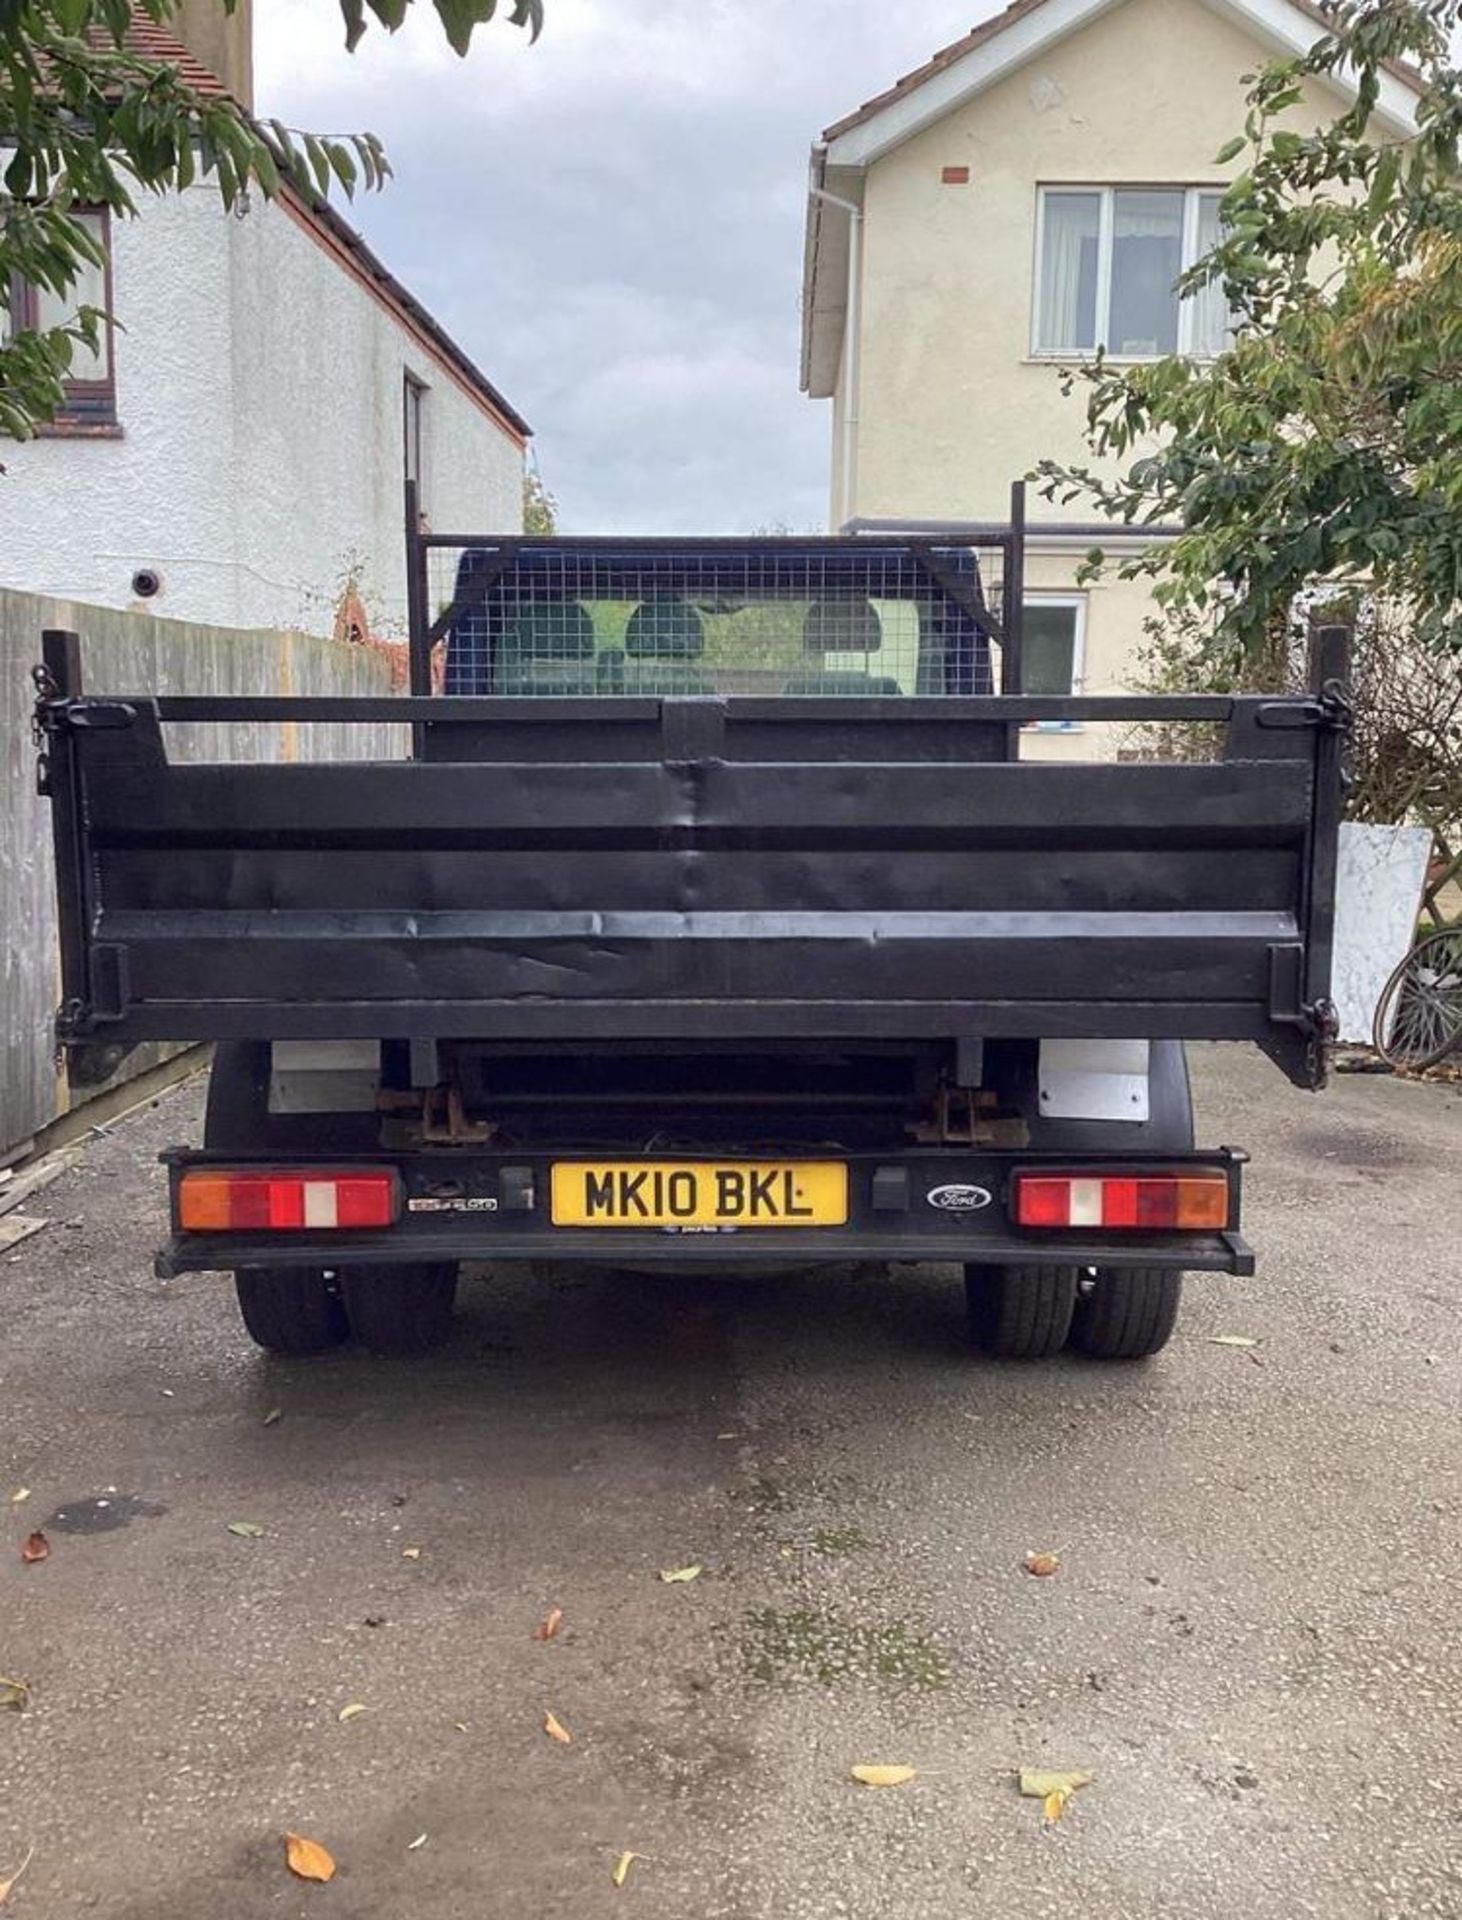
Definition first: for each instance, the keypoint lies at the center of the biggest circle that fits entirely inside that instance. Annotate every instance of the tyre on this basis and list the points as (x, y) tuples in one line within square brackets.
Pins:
[(1127, 1313), (290, 1310), (1020, 1313), (400, 1310), (287, 1310), (1419, 1015)]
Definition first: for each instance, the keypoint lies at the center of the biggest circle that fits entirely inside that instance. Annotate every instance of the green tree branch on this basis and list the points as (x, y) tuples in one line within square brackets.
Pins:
[(1325, 442), (86, 120)]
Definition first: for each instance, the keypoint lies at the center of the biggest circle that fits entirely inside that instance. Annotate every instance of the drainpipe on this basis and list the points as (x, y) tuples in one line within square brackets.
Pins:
[(852, 343)]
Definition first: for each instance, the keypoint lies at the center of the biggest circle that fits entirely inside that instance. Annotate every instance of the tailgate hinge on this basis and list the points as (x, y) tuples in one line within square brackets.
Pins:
[(1317, 1020), (1332, 710)]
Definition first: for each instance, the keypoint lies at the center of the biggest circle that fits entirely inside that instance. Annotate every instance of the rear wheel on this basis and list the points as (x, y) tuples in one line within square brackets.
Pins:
[(1126, 1313), (1020, 1313), (287, 1310), (400, 1310), (290, 1310)]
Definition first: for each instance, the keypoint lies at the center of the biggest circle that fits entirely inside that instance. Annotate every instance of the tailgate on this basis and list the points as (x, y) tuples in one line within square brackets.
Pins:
[(693, 868)]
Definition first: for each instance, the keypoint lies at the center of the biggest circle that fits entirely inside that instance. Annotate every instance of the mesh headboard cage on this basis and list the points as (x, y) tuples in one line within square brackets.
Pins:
[(785, 618)]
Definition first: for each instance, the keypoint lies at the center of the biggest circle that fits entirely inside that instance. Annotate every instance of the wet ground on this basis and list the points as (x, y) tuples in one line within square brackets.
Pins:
[(1254, 1640)]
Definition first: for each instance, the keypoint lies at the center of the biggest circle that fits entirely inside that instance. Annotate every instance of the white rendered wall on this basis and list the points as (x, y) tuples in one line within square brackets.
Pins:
[(78, 516), (318, 369), (260, 463)]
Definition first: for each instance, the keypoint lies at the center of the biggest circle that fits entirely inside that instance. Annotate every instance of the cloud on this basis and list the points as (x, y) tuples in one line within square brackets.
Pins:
[(610, 222)]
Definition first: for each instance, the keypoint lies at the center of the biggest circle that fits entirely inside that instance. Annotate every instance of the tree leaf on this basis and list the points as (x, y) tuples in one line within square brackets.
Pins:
[(884, 1776), (549, 1625), (353, 1711), (307, 1858), (679, 1576), (1040, 1783), (622, 1866), (246, 1529), (413, 1845), (20, 1493), (1231, 1340), (556, 1730), (1043, 1565), (6, 1885), (14, 1693), (36, 1547), (411, 1553), (273, 1417)]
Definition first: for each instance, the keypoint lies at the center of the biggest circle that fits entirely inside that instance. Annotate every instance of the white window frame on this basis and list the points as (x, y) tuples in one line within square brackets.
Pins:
[(1187, 308), (415, 434), (1078, 603)]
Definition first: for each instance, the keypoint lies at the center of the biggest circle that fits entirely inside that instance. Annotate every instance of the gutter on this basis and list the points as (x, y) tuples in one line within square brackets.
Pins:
[(1049, 533), (318, 211), (852, 339)]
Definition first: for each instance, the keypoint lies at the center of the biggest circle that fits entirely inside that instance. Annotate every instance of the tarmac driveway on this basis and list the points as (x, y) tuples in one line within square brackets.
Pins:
[(1253, 1642)]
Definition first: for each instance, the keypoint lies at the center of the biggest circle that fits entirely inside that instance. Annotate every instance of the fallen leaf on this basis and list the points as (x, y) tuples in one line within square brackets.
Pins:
[(246, 1529), (1231, 1340), (1043, 1565), (548, 1627), (37, 1547), (460, 1725), (20, 1493), (14, 1693), (353, 1711), (6, 1885), (678, 1576), (273, 1417), (307, 1858), (419, 1841), (883, 1776), (621, 1868), (411, 1553), (557, 1731), (1053, 1790)]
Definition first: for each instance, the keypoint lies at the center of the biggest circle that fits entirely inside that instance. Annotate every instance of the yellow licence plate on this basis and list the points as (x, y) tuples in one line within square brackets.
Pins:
[(685, 1193)]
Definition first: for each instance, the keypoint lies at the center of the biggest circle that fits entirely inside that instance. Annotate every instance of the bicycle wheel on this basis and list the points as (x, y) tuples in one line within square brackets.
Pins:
[(1419, 1015)]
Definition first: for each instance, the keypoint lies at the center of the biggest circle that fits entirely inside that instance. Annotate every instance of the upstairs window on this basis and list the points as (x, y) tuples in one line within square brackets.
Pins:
[(1107, 266), (91, 394), (413, 434)]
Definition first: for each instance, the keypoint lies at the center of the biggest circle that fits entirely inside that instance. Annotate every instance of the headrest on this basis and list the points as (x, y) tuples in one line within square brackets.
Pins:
[(550, 630), (842, 626), (664, 630)]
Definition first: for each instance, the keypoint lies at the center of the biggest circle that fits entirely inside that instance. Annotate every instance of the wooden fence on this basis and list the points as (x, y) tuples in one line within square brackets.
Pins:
[(132, 653)]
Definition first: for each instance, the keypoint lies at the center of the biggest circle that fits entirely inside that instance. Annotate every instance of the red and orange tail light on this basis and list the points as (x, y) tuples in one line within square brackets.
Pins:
[(260, 1200), (1136, 1202)]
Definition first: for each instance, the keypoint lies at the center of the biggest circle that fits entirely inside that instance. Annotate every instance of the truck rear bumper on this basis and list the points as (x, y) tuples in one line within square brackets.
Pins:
[(466, 1204)]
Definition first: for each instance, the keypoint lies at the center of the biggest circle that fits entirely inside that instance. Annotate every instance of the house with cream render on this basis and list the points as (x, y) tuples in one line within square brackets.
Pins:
[(1029, 194)]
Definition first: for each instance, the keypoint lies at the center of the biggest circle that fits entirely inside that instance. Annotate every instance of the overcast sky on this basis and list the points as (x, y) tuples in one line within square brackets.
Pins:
[(610, 223)]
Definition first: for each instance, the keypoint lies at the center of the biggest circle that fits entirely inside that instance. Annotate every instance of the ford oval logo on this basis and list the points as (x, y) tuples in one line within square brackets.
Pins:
[(959, 1199)]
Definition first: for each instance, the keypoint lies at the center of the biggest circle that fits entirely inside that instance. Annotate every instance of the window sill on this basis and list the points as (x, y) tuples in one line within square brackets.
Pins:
[(78, 429), (1085, 359)]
